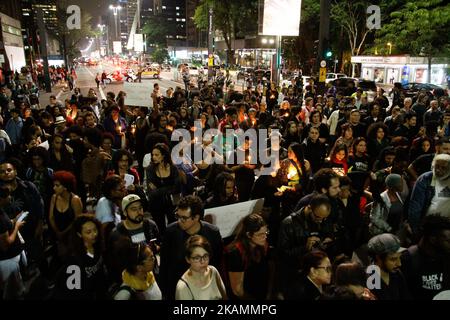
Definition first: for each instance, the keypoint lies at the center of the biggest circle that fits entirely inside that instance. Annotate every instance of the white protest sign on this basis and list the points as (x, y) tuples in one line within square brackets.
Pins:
[(138, 94), (45, 145), (129, 179), (227, 218)]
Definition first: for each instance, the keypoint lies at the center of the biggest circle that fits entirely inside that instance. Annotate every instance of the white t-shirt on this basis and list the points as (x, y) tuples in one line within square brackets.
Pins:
[(210, 291), (106, 211), (440, 204)]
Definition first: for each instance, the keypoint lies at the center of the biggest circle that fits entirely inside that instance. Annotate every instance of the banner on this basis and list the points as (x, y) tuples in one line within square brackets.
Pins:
[(117, 47), (282, 17), (138, 42), (227, 218), (138, 94)]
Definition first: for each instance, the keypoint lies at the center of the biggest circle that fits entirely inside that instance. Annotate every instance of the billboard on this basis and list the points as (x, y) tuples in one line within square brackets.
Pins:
[(138, 42), (117, 46), (281, 17)]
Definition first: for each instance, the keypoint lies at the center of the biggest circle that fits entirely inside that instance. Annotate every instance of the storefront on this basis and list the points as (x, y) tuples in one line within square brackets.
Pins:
[(12, 50), (403, 69)]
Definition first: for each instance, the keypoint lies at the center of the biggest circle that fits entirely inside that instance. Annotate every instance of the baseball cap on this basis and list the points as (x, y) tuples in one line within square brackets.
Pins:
[(129, 199), (384, 243)]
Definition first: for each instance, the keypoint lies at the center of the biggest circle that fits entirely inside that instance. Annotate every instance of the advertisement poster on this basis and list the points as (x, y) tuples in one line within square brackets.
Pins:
[(405, 75)]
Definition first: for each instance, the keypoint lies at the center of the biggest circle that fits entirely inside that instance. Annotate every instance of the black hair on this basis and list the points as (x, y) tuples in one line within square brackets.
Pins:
[(118, 155), (111, 183), (320, 200), (194, 203), (350, 273), (433, 225), (94, 136), (322, 179), (312, 259)]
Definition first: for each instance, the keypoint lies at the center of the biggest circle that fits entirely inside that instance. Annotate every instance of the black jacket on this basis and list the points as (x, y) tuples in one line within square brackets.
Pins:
[(173, 262)]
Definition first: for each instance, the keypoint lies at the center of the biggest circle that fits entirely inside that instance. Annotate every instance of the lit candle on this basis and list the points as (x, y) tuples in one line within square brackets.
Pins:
[(291, 173)]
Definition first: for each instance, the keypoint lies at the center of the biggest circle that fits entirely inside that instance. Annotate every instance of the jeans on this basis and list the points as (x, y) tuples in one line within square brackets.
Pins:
[(11, 283)]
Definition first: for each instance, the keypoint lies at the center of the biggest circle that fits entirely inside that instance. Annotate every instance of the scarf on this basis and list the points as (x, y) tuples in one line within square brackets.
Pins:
[(343, 162), (136, 283)]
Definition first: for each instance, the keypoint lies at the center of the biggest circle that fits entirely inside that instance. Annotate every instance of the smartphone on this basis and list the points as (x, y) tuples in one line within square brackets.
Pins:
[(23, 215)]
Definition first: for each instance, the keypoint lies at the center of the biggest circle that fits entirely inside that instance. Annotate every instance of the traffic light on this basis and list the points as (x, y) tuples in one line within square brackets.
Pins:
[(316, 48), (328, 53)]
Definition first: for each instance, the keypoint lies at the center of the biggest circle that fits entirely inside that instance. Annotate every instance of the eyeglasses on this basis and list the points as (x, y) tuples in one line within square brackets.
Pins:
[(182, 218), (263, 234), (327, 269), (200, 258)]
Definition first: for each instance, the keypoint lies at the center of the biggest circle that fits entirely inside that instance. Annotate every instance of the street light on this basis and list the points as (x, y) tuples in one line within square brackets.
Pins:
[(390, 47), (115, 9), (102, 27)]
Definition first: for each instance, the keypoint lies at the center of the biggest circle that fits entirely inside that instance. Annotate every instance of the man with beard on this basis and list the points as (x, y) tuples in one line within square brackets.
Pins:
[(431, 193), (135, 227), (385, 251)]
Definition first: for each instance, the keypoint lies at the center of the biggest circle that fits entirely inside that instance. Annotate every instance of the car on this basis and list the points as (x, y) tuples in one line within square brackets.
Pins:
[(115, 76), (129, 75), (411, 89), (150, 72), (193, 71), (333, 76)]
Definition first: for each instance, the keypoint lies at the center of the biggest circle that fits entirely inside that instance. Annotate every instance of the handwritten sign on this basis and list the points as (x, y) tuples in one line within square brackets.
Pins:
[(129, 180), (227, 218)]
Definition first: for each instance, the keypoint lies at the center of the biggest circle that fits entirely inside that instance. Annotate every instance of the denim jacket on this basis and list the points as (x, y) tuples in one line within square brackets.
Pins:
[(422, 193)]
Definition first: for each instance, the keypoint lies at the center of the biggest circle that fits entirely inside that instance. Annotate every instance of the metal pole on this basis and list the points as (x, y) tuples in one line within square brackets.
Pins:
[(210, 44), (43, 46)]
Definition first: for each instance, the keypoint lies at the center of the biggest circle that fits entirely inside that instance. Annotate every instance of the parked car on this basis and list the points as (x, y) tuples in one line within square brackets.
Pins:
[(411, 89), (334, 76)]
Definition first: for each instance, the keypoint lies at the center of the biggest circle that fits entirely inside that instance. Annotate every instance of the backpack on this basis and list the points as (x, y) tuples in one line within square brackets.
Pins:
[(116, 288)]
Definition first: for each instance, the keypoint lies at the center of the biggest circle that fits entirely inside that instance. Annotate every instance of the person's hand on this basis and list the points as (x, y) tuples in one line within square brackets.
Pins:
[(151, 186), (311, 241), (131, 188), (105, 156)]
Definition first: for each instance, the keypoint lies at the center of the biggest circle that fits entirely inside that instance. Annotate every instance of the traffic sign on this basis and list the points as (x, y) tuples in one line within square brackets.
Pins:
[(323, 63), (322, 74)]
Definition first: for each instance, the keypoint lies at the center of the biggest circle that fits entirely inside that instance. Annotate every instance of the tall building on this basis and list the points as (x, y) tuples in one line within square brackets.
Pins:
[(30, 30), (195, 37)]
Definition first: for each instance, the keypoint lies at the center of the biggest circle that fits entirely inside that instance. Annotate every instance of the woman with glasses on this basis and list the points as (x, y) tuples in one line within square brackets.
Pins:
[(138, 280), (314, 275), (201, 281), (247, 260)]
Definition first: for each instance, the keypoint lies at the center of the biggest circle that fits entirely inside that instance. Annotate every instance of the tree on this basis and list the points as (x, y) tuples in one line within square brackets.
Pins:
[(351, 15), (231, 18), (419, 28), (156, 30), (70, 39), (160, 55)]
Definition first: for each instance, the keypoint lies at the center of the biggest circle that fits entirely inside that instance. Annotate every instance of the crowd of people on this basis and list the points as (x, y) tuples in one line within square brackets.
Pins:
[(88, 187)]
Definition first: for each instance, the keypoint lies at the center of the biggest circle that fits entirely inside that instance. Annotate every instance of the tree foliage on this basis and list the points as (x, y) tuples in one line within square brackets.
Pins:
[(160, 55), (71, 39), (156, 30), (232, 18), (351, 15), (418, 28)]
